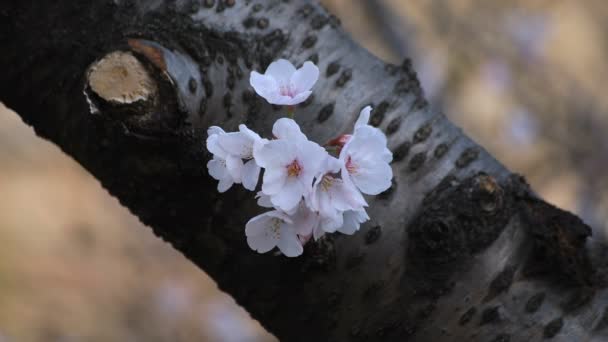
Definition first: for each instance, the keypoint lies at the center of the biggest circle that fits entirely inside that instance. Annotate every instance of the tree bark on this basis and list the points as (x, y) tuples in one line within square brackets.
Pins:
[(457, 249)]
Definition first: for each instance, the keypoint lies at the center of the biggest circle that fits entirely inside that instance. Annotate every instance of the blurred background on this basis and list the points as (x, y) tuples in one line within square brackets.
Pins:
[(523, 78)]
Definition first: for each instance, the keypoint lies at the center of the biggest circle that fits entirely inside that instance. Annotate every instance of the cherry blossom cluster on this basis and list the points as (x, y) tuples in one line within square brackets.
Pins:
[(311, 189)]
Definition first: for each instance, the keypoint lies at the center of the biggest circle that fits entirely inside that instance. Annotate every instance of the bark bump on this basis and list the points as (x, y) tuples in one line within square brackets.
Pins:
[(119, 78)]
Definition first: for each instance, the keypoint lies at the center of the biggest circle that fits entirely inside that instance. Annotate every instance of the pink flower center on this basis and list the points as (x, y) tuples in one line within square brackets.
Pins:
[(294, 169), (350, 166), (287, 90)]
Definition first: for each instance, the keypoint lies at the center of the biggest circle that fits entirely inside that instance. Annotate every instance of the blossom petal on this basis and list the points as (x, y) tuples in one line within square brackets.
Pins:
[(250, 175), (312, 156), (373, 181), (304, 220), (346, 197), (273, 181), (251, 134), (234, 165), (261, 243), (305, 77), (236, 143), (368, 139), (281, 70), (331, 223), (285, 128), (217, 168), (299, 97), (214, 130), (214, 147), (331, 165), (263, 84), (258, 224), (275, 153), (289, 195), (363, 117), (264, 200), (289, 244), (224, 184), (278, 99), (352, 221)]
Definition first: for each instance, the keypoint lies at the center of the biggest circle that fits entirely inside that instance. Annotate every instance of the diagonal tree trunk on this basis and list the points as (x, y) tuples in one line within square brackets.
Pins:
[(458, 249)]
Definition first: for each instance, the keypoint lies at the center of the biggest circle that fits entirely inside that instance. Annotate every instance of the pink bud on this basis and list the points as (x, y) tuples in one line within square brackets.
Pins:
[(339, 141)]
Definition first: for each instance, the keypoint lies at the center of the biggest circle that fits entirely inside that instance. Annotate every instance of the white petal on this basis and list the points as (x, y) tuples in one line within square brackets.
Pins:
[(331, 223), (224, 184), (259, 224), (285, 128), (261, 243), (275, 153), (346, 197), (277, 99), (368, 139), (305, 77), (289, 195), (281, 70), (373, 181), (217, 168), (299, 97), (234, 165), (273, 181), (304, 220), (312, 156), (214, 147), (257, 145), (213, 130), (251, 134), (363, 117), (352, 221), (264, 200), (237, 144), (331, 165), (386, 155), (250, 175), (263, 84), (289, 244)]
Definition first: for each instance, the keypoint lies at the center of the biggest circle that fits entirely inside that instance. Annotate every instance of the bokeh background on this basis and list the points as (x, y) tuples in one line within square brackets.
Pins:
[(525, 78)]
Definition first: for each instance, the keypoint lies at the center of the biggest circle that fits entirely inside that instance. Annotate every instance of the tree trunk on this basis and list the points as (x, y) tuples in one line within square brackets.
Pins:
[(457, 249)]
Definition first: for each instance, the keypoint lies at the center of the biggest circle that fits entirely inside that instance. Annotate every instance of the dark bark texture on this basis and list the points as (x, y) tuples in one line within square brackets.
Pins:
[(457, 249)]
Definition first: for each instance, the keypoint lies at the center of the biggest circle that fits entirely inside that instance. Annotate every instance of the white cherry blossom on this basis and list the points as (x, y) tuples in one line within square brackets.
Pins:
[(331, 196), (290, 166), (241, 144), (352, 221), (282, 84), (273, 229), (223, 167), (348, 222), (310, 193), (366, 158)]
